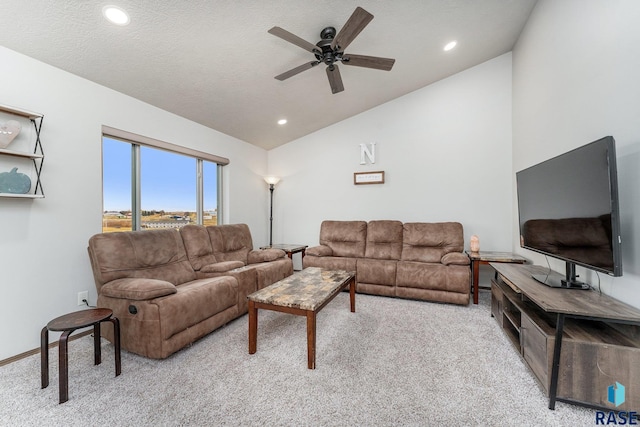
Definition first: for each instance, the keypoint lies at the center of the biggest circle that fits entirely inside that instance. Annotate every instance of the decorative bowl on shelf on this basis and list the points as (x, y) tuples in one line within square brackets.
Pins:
[(8, 132), (14, 182)]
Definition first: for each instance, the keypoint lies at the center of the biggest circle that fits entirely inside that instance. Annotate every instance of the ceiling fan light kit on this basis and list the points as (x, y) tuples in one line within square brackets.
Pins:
[(330, 50)]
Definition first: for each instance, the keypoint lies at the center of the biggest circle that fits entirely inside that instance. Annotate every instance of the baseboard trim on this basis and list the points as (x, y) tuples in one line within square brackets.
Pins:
[(21, 356)]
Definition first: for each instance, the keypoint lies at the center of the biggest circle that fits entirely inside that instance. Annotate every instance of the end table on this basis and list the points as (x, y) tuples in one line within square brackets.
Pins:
[(289, 249), (67, 324), (485, 257)]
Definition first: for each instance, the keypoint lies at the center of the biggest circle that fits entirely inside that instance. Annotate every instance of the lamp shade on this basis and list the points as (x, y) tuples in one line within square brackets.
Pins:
[(272, 180)]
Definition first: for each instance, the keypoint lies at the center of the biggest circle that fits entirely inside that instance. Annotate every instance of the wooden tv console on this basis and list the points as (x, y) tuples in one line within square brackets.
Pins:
[(576, 342)]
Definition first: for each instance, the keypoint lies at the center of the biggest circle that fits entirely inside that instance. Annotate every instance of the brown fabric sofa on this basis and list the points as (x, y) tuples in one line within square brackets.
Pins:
[(162, 301), (411, 260)]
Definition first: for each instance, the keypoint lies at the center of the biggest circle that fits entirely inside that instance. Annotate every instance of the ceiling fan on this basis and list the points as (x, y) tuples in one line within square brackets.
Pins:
[(330, 50)]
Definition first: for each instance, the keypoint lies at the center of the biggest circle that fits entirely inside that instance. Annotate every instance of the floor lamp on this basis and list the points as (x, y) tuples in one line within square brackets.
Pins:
[(272, 181)]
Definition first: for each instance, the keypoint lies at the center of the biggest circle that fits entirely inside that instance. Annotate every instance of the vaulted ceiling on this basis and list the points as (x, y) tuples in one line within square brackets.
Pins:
[(213, 62)]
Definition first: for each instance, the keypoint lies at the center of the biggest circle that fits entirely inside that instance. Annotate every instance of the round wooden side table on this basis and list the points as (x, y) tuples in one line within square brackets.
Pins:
[(67, 324)]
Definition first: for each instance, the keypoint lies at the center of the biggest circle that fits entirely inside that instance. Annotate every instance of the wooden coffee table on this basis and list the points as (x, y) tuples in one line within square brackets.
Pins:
[(303, 294)]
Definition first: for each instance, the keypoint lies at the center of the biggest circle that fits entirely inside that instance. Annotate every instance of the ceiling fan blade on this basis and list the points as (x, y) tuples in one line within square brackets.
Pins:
[(335, 81), (292, 38), (356, 23), (296, 70), (368, 61)]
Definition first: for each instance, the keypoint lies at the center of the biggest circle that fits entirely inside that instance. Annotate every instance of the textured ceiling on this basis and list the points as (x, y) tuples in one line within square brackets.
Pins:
[(213, 62)]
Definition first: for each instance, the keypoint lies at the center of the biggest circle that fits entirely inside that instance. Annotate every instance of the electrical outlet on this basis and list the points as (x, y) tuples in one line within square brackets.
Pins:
[(82, 296)]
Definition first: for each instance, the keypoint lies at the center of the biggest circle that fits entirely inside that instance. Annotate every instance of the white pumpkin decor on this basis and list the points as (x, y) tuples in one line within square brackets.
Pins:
[(8, 132)]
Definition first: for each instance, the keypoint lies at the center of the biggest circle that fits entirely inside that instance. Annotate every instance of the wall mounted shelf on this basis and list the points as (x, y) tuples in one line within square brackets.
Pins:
[(36, 156)]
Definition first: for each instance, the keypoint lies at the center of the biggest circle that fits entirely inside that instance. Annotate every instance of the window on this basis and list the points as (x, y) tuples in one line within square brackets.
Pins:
[(116, 185), (167, 189), (149, 184), (210, 199)]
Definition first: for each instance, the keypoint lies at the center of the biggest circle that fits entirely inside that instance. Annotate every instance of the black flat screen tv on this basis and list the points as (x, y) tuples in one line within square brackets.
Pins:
[(568, 209)]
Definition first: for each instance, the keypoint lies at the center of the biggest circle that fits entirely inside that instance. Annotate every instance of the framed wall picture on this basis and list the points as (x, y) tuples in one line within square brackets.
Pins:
[(361, 178)]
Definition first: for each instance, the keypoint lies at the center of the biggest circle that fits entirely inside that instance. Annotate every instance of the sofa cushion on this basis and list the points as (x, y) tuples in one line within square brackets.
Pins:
[(231, 242), (196, 301), (376, 271), (151, 254), (384, 240), (198, 245), (220, 267), (429, 242), (138, 289), (345, 238), (265, 255)]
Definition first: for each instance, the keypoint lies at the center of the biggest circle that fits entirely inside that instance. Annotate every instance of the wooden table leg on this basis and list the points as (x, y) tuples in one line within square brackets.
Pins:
[(44, 357), (253, 327), (97, 350), (116, 343), (311, 339), (352, 294), (63, 362), (475, 266)]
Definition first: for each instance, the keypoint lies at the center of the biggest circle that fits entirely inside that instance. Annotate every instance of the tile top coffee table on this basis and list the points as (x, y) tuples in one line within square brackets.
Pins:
[(304, 294)]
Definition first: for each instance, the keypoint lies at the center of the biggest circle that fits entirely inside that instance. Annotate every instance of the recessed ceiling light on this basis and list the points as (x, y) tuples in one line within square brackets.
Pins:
[(450, 45), (115, 15), (282, 121)]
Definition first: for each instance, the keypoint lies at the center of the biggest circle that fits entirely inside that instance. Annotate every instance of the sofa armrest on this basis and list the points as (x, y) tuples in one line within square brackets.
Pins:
[(455, 258), (138, 289), (265, 255), (321, 250)]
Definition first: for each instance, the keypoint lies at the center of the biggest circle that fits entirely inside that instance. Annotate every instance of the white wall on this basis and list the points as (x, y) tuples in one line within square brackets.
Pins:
[(445, 150), (576, 75), (43, 257)]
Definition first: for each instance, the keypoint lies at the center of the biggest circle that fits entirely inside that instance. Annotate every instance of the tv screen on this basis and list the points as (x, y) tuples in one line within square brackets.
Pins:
[(568, 209)]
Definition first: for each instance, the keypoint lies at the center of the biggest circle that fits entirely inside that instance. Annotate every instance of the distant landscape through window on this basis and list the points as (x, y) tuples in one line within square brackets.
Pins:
[(148, 188)]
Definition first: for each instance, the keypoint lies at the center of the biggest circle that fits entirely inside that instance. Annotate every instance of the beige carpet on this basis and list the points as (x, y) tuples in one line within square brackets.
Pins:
[(393, 362)]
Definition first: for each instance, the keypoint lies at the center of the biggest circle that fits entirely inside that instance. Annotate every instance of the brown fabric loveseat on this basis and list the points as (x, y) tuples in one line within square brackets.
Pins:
[(162, 301), (412, 260)]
